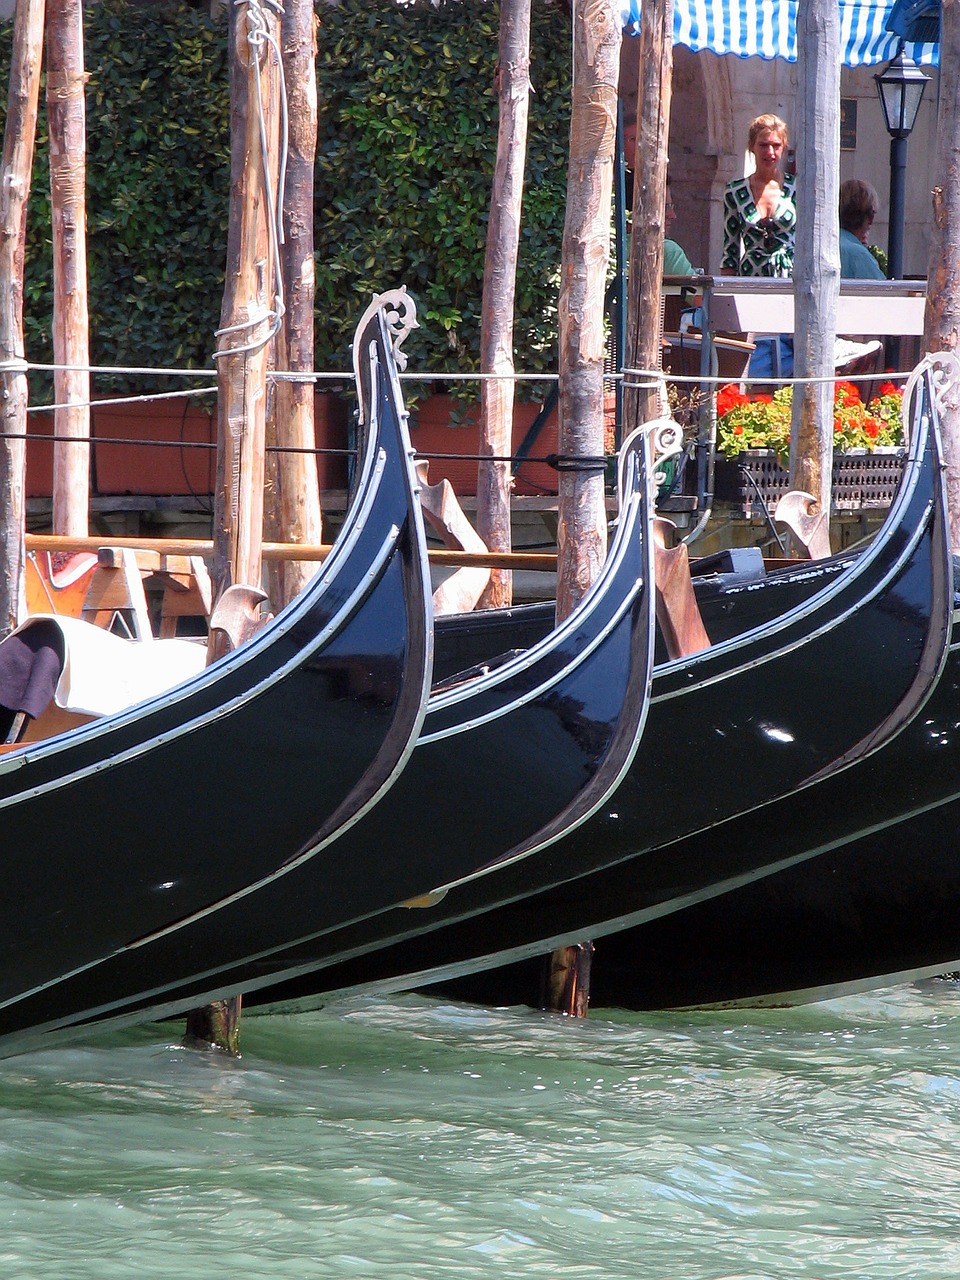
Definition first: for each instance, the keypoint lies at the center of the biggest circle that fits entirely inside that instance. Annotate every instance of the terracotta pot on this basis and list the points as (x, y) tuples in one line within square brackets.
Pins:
[(180, 458), (448, 437)]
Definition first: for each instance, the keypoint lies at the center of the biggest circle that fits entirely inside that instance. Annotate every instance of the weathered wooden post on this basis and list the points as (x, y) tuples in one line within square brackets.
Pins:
[(582, 534), (942, 319), (645, 271), (499, 293), (66, 118), (15, 175), (248, 315), (816, 273), (292, 477), (247, 323)]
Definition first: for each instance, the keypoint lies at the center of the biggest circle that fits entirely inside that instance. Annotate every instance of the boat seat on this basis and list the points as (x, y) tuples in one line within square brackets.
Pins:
[(184, 585), (57, 672), (745, 564), (116, 598)]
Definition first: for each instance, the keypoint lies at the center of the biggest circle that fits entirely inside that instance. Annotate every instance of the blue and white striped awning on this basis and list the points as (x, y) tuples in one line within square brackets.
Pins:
[(768, 29)]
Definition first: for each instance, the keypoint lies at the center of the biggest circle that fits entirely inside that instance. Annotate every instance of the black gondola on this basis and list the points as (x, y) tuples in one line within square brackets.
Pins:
[(574, 704), (630, 878), (890, 605), (144, 818), (855, 904)]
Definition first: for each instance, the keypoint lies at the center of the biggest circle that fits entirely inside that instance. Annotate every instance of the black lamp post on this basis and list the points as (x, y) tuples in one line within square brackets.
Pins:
[(900, 86)]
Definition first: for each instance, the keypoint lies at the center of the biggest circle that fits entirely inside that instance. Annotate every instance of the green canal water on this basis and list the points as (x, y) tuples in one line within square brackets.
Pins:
[(412, 1138)]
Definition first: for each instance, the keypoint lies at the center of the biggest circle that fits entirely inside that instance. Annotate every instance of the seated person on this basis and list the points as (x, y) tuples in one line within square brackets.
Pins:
[(858, 208), (676, 263)]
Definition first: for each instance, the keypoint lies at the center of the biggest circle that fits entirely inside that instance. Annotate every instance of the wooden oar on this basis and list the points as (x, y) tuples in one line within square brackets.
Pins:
[(541, 561)]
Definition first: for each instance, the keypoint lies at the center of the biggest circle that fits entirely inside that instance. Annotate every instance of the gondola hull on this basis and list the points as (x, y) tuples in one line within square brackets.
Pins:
[(572, 709), (626, 862), (845, 912), (145, 818), (628, 876)]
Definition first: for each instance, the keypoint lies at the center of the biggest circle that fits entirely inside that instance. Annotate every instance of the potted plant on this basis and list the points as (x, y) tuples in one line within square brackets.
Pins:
[(753, 445)]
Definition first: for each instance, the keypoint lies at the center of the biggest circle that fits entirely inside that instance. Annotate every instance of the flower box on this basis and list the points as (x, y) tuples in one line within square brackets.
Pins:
[(860, 480)]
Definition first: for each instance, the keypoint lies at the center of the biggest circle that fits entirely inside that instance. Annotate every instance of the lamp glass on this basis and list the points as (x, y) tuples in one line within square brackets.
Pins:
[(900, 86)]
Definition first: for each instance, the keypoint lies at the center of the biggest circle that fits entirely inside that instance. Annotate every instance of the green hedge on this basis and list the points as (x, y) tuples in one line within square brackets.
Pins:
[(408, 127), (158, 176), (408, 136)]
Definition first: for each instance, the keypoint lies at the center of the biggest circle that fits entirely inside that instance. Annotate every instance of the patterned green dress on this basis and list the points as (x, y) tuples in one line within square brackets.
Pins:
[(755, 246)]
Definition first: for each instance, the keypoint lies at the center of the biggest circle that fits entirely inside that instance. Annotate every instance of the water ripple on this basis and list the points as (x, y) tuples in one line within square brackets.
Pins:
[(420, 1139)]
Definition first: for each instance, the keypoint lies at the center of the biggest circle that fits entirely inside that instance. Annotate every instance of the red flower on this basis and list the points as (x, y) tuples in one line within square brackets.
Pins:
[(845, 393), (728, 397), (872, 427), (738, 430), (888, 389), (763, 399)]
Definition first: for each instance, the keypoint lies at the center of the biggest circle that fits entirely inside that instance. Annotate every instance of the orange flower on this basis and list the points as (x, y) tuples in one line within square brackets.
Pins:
[(845, 393), (888, 389)]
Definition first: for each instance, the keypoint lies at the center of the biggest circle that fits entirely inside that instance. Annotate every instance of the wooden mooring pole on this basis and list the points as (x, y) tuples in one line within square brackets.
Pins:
[(247, 321), (66, 118), (18, 139), (582, 535)]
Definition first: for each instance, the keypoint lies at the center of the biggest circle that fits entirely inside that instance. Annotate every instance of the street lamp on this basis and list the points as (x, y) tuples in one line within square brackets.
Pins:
[(900, 86)]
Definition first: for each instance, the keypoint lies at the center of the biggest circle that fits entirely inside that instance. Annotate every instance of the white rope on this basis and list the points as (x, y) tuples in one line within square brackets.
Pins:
[(144, 399), (289, 375), (122, 369)]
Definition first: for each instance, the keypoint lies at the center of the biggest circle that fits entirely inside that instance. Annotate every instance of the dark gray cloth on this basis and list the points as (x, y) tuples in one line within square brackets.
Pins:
[(31, 661)]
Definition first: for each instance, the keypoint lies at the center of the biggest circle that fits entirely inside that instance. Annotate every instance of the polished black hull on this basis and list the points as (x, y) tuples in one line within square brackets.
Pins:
[(782, 707), (472, 793), (849, 911), (142, 820)]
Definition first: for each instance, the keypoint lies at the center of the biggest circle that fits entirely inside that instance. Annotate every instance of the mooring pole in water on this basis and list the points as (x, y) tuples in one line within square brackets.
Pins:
[(567, 980), (16, 170), (582, 522), (247, 322), (215, 1026)]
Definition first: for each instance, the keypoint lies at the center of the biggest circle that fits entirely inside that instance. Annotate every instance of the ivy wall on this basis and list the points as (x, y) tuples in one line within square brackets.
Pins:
[(408, 127)]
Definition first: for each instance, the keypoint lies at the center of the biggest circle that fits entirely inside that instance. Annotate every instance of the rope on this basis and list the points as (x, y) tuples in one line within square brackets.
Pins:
[(106, 442), (142, 399)]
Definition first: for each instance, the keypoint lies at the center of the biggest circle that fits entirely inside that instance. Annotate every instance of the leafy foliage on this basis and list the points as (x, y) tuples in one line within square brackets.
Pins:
[(408, 130), (408, 135), (157, 120)]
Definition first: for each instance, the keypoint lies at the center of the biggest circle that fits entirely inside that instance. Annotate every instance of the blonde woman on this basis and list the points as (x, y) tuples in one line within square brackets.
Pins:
[(760, 210), (759, 226)]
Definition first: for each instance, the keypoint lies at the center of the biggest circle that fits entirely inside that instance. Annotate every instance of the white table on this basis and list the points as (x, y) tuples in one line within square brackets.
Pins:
[(876, 308)]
